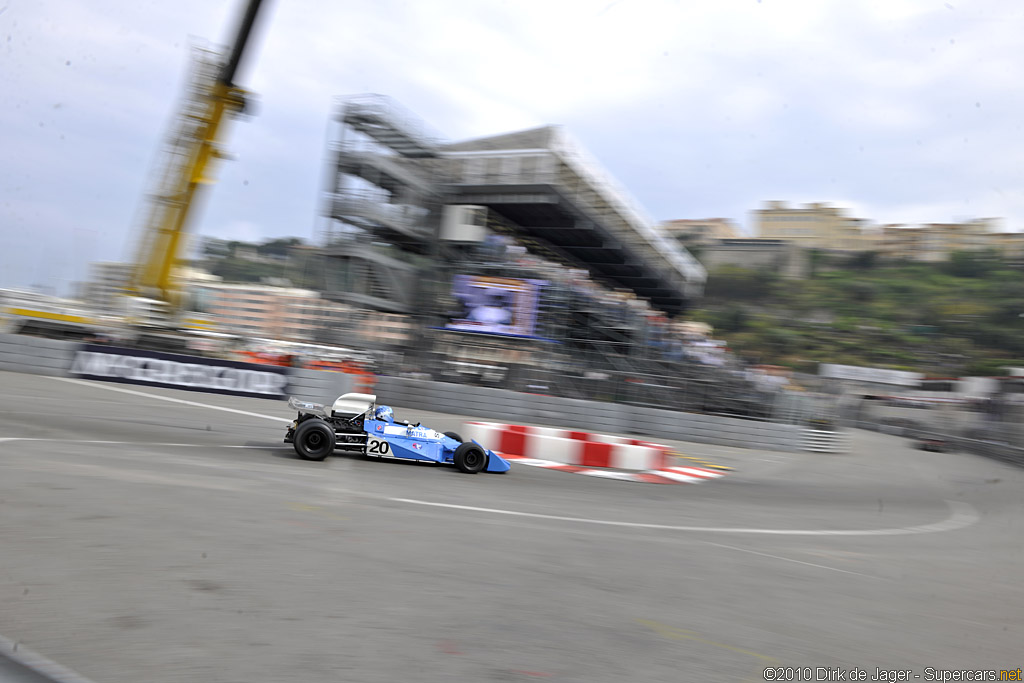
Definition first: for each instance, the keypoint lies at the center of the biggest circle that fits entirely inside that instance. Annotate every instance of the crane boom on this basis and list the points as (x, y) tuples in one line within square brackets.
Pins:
[(192, 147), (227, 74)]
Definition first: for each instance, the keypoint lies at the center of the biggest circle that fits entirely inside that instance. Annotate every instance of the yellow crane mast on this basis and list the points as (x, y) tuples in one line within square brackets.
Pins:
[(187, 164)]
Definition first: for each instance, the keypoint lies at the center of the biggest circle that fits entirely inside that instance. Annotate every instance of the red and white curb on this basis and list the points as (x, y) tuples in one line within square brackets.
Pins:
[(569, 447), (667, 475), (595, 455)]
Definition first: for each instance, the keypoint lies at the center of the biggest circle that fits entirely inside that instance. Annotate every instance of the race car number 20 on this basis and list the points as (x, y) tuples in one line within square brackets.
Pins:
[(378, 446)]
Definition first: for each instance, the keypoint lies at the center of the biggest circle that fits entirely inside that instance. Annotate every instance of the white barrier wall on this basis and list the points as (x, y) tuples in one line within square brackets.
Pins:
[(319, 386), (592, 416), (21, 353), (36, 355)]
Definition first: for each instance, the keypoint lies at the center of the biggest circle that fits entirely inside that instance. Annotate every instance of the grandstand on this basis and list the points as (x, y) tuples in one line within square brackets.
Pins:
[(520, 261), (390, 179)]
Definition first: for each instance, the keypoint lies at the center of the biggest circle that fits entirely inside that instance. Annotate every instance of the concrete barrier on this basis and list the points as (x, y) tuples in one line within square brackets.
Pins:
[(36, 355), (21, 353), (319, 386), (592, 416)]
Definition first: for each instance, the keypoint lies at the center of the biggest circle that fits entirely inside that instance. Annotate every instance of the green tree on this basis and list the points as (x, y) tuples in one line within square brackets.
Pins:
[(278, 247), (745, 284), (969, 263), (863, 260), (863, 291), (732, 319)]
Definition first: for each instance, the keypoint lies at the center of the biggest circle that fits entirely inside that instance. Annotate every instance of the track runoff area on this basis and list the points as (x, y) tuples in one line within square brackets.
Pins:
[(163, 535)]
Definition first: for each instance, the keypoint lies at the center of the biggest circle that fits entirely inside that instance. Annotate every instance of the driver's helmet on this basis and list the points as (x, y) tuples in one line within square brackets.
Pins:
[(384, 413)]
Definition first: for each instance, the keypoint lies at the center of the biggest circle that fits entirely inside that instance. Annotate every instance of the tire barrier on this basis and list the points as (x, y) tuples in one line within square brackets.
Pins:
[(820, 441), (568, 447)]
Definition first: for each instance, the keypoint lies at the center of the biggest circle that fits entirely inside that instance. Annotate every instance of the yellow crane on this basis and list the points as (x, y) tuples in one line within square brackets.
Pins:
[(187, 164)]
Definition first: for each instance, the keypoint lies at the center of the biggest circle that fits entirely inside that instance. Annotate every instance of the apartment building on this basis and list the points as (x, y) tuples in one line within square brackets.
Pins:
[(107, 284), (935, 242), (284, 313), (700, 232), (813, 226), (1009, 244), (820, 226), (291, 314)]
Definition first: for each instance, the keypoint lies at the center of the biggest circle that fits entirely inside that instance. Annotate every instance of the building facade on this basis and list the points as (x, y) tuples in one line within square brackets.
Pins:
[(780, 256), (291, 314), (936, 242), (829, 228), (700, 232), (107, 284), (813, 226)]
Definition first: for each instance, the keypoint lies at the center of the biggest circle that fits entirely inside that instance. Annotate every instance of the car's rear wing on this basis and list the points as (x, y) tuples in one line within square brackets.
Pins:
[(307, 407)]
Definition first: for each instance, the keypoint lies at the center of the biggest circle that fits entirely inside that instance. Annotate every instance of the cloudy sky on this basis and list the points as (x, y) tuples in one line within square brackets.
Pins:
[(904, 111)]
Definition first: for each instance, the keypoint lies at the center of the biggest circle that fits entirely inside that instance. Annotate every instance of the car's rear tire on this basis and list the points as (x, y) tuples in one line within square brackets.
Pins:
[(470, 458), (454, 435), (314, 440)]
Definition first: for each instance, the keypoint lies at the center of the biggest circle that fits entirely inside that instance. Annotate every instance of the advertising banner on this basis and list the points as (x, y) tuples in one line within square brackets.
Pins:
[(193, 373), (871, 375)]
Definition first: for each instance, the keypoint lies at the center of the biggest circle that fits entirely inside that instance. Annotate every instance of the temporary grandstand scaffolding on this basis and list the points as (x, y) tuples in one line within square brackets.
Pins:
[(542, 212), (381, 206)]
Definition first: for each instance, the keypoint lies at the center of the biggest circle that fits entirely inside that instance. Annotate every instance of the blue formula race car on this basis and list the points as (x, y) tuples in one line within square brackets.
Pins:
[(355, 424)]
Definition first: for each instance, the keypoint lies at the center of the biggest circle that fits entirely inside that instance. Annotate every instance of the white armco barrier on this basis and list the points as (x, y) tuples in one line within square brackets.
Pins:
[(570, 447)]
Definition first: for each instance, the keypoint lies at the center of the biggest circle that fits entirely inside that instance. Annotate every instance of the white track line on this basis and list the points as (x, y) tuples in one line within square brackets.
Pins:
[(788, 559), (962, 515), (40, 665), (196, 404), (676, 476), (695, 472), (141, 443)]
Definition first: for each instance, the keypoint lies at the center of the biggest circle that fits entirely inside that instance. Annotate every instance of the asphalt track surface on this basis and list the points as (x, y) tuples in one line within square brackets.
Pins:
[(146, 539)]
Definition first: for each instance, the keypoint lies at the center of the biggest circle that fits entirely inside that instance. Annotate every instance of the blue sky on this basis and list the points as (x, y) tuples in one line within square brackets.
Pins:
[(902, 111)]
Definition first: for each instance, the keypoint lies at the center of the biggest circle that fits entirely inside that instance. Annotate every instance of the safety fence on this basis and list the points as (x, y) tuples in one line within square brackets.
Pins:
[(994, 448), (43, 356), (598, 416), (996, 434)]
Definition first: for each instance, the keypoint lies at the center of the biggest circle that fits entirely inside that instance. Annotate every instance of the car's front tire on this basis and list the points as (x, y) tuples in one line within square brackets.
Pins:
[(454, 435), (470, 458), (314, 440)]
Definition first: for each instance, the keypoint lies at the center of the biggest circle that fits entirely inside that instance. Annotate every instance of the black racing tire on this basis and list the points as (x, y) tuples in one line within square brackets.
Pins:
[(470, 458), (314, 440), (454, 435)]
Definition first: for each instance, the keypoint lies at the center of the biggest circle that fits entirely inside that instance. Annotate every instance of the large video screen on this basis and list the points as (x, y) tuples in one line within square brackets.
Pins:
[(495, 305)]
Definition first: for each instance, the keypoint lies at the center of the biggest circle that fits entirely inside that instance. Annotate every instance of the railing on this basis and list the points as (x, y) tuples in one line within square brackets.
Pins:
[(393, 116), (402, 218), (598, 197), (990, 445)]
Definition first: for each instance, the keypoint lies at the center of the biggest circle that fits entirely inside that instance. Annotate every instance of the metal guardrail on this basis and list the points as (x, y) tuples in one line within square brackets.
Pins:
[(997, 450), (821, 441)]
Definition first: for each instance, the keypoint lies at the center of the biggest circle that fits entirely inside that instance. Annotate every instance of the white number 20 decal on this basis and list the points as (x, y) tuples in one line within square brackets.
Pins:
[(378, 447)]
